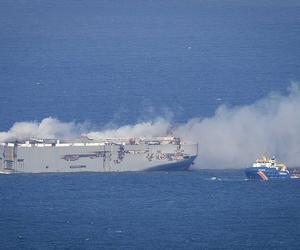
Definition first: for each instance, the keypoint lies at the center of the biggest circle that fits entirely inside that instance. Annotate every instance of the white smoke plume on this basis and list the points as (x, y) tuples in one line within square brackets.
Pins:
[(47, 128), (235, 137), (232, 138), (159, 127)]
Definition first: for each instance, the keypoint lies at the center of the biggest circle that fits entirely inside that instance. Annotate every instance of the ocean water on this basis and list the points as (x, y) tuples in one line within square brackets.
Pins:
[(120, 62), (158, 210)]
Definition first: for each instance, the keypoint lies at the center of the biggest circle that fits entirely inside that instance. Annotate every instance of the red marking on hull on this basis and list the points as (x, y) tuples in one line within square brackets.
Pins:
[(262, 175)]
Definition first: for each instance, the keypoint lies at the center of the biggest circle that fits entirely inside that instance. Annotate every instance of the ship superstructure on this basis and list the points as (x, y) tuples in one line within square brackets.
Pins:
[(87, 155), (267, 169)]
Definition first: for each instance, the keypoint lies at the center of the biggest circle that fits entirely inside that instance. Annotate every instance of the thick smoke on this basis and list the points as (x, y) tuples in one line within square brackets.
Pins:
[(235, 137), (47, 128), (159, 127), (232, 138)]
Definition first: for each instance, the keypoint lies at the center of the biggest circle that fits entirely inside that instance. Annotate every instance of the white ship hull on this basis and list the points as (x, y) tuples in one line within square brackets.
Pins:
[(94, 157)]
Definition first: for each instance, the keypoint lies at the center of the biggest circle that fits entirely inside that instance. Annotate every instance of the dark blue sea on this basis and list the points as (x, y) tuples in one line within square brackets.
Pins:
[(112, 63), (175, 210)]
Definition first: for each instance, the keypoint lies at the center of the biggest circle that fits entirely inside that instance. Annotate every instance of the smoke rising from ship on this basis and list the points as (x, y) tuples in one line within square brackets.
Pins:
[(235, 137), (158, 127), (232, 138), (47, 128)]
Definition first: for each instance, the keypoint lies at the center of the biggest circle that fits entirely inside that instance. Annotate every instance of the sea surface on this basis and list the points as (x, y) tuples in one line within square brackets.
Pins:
[(208, 209), (121, 62), (125, 61)]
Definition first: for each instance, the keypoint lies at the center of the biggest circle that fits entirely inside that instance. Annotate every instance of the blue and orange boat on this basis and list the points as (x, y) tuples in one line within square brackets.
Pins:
[(267, 169)]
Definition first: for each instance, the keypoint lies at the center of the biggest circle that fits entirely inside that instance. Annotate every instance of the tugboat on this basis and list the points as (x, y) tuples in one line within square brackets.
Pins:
[(267, 169)]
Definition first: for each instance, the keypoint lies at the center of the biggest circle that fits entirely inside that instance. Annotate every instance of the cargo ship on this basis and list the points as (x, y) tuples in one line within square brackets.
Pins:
[(267, 169), (88, 155)]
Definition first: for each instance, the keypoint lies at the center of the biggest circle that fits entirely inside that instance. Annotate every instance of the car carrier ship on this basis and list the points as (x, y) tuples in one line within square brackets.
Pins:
[(88, 155)]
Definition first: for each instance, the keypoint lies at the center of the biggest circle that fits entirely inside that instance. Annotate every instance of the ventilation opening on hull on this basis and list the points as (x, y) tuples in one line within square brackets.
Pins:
[(8, 164), (78, 166)]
